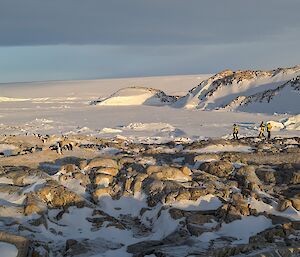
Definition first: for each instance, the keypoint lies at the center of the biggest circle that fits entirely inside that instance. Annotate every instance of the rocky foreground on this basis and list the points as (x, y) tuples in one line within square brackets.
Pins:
[(110, 197)]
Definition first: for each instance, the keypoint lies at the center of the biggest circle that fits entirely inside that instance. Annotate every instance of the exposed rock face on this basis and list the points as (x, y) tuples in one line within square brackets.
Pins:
[(142, 202)]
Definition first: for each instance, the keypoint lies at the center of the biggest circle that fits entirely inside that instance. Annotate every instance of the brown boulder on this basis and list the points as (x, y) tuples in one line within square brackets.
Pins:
[(103, 179), (108, 170), (183, 195), (103, 162), (57, 196), (284, 204), (100, 192), (138, 182), (68, 168), (218, 168), (167, 173), (186, 170), (82, 164), (33, 204), (295, 178), (295, 203)]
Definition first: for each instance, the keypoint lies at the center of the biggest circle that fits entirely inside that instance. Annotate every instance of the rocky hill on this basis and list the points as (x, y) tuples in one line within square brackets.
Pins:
[(283, 99), (230, 88)]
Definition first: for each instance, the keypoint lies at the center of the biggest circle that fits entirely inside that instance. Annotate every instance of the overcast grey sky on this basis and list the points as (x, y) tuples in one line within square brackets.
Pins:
[(70, 39)]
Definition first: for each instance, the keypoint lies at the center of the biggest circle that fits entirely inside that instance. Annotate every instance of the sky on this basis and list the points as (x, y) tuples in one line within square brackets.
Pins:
[(88, 39)]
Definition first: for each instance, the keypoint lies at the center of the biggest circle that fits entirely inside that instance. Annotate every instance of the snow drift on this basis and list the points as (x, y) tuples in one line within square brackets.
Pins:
[(137, 96)]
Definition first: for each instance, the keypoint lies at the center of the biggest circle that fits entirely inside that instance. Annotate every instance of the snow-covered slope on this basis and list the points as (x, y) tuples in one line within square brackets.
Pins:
[(227, 86), (283, 99), (137, 96)]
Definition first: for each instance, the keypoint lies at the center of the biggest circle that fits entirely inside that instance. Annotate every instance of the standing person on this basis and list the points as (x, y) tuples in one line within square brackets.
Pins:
[(269, 127), (235, 131), (262, 130)]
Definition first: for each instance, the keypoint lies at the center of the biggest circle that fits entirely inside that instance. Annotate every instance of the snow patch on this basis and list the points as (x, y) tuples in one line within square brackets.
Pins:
[(203, 203), (160, 126), (241, 230), (125, 205), (7, 149), (110, 131), (290, 213), (223, 148), (8, 250)]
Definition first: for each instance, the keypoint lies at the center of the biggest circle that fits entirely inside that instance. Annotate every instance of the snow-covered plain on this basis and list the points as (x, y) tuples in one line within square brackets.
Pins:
[(64, 107)]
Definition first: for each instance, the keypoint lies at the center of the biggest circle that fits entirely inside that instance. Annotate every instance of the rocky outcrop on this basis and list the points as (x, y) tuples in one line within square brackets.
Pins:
[(58, 196), (187, 202)]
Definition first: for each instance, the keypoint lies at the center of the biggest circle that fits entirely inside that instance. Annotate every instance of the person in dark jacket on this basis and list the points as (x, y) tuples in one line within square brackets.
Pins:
[(269, 127), (262, 130)]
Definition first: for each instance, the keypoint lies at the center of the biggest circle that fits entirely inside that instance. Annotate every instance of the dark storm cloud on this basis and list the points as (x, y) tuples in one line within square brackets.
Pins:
[(145, 22)]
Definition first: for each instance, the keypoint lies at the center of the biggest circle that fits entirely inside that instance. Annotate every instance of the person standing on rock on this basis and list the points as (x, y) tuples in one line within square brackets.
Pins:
[(262, 130), (235, 131), (269, 127)]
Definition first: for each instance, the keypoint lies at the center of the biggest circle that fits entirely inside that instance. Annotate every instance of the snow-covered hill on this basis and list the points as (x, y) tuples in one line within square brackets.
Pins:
[(283, 99), (233, 87), (137, 96)]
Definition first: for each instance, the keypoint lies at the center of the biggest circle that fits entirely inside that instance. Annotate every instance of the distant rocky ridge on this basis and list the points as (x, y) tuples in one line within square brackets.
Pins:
[(226, 90), (287, 96), (230, 89)]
